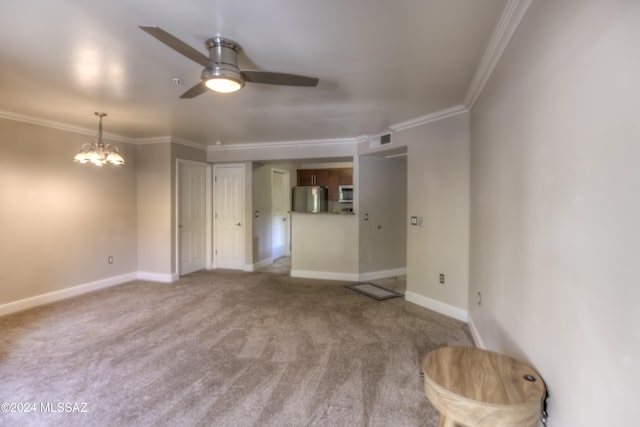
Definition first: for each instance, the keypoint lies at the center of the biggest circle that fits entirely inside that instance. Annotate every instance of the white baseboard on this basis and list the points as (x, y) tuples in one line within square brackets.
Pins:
[(157, 277), (383, 274), (248, 268), (477, 339), (61, 294), (440, 307), (349, 277), (325, 275)]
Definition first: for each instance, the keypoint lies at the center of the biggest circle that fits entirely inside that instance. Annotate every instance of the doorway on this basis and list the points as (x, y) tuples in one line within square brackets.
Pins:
[(280, 214)]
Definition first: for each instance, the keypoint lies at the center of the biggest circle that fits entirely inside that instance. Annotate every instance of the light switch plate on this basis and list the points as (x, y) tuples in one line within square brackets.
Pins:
[(414, 220)]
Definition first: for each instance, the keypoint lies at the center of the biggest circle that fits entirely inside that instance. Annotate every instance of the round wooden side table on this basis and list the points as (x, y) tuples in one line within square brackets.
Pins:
[(478, 388)]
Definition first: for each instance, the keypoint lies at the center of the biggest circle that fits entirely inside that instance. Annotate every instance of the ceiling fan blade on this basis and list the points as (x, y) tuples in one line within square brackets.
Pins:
[(176, 44), (270, 78), (196, 90)]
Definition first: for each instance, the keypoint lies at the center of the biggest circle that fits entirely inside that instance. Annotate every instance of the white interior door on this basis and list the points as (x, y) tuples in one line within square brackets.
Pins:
[(229, 227), (280, 206), (192, 216)]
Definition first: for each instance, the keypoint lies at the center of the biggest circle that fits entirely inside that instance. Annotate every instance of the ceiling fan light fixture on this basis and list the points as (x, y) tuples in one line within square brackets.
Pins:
[(222, 80), (223, 85)]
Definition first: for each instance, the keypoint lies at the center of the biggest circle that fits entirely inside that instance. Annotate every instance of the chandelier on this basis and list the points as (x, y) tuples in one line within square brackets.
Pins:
[(98, 152)]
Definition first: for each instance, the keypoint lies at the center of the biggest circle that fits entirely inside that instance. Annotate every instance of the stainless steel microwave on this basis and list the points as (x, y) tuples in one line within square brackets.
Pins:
[(345, 193)]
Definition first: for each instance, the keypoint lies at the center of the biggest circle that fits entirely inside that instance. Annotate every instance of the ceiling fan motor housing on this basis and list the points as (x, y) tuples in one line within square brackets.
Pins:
[(223, 55)]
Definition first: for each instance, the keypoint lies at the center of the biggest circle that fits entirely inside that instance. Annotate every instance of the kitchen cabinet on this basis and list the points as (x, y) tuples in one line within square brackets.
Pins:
[(313, 177), (346, 176), (334, 182), (305, 177), (330, 178)]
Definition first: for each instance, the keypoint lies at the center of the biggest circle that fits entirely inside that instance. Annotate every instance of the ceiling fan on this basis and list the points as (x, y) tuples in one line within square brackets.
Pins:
[(221, 72)]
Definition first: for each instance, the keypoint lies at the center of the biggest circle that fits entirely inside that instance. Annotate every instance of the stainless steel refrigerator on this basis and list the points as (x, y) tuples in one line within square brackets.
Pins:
[(312, 198)]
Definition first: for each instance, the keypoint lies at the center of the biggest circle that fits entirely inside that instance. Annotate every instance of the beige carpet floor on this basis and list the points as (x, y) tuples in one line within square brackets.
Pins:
[(222, 348)]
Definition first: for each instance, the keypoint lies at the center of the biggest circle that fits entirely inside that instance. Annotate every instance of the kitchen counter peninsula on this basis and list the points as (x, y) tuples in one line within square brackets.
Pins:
[(324, 245)]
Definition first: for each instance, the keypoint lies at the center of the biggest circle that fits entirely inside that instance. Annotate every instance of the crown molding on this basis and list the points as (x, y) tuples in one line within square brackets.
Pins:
[(283, 144), (188, 143), (62, 126), (433, 117), (511, 16), (153, 140)]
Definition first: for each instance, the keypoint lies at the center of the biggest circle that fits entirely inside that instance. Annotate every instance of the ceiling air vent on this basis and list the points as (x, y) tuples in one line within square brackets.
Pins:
[(380, 140)]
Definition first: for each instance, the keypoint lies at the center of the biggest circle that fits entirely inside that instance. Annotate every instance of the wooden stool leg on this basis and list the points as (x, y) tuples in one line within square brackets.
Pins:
[(446, 422)]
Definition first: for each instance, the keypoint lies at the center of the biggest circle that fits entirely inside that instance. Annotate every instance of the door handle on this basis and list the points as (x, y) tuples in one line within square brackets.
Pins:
[(284, 219), (238, 224)]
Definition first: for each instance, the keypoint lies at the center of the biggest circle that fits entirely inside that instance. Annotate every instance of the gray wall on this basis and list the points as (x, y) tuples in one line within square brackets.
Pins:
[(59, 220), (382, 194), (556, 207), (155, 229), (438, 192)]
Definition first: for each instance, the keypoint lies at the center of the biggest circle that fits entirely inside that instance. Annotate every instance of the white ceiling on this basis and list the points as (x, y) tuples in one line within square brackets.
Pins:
[(380, 62)]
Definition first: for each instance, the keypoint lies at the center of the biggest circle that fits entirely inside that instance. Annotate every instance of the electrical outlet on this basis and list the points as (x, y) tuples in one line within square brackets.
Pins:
[(442, 278), (110, 259), (479, 298)]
